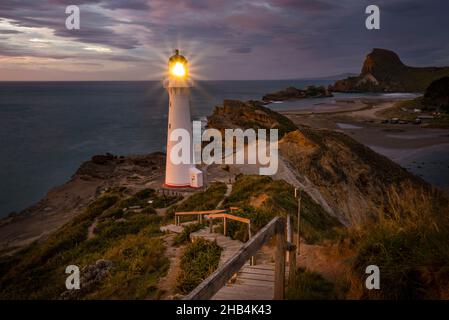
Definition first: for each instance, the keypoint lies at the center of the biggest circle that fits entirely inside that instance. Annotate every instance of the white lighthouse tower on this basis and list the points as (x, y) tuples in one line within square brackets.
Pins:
[(178, 84)]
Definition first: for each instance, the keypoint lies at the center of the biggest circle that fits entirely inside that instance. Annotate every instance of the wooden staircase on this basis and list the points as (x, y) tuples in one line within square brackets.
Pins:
[(229, 246), (251, 283)]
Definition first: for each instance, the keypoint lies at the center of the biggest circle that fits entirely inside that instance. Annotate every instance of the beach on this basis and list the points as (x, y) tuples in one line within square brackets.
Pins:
[(423, 151)]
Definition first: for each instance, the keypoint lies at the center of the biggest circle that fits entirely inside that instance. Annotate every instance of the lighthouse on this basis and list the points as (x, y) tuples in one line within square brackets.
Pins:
[(178, 84)]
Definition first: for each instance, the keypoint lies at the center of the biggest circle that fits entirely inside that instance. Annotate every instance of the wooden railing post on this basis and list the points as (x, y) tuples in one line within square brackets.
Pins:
[(292, 264), (224, 226), (252, 261), (289, 235), (279, 267)]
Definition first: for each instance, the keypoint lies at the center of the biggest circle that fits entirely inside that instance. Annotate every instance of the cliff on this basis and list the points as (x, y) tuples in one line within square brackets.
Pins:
[(347, 178), (383, 71)]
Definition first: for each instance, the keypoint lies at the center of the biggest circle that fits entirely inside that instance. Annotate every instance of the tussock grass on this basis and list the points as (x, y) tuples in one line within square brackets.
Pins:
[(201, 201), (200, 259), (309, 285), (129, 239), (409, 243)]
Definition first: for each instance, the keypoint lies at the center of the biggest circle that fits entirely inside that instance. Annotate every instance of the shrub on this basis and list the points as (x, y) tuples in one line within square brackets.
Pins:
[(201, 201), (273, 198), (200, 259), (409, 245), (310, 285)]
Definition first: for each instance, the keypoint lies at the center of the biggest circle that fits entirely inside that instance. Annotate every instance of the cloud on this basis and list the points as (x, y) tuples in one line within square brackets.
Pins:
[(289, 38), (9, 32)]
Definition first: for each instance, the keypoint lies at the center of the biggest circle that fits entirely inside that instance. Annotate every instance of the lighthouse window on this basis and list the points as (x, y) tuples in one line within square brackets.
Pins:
[(169, 125)]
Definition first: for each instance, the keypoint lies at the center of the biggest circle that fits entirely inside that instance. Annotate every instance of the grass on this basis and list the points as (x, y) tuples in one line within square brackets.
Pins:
[(200, 259), (396, 111), (309, 285), (418, 103), (261, 199), (201, 201), (138, 264), (409, 244), (129, 239)]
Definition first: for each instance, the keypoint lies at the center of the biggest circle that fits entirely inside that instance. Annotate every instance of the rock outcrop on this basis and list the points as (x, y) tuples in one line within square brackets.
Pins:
[(383, 71), (91, 276), (251, 114), (292, 93), (437, 94)]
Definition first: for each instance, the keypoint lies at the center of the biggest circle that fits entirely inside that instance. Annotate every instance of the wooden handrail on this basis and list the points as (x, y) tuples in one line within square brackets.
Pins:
[(210, 286), (187, 213), (229, 216), (200, 214)]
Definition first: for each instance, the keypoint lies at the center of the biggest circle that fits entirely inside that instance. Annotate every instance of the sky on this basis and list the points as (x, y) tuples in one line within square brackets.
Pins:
[(223, 39)]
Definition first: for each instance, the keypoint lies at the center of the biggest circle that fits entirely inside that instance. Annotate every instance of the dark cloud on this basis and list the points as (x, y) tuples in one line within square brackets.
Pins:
[(96, 27), (9, 32), (289, 38)]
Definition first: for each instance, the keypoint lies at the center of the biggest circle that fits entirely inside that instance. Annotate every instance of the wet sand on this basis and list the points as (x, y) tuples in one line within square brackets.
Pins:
[(421, 150)]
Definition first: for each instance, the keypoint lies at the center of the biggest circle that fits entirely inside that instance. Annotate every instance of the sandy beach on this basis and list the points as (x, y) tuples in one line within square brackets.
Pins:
[(423, 151)]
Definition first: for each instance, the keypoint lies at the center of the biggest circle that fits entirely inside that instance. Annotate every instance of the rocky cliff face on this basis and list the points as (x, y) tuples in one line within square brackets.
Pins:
[(348, 179), (383, 71)]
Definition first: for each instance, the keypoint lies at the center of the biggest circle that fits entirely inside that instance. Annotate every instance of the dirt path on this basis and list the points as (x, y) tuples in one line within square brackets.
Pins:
[(167, 284), (227, 193)]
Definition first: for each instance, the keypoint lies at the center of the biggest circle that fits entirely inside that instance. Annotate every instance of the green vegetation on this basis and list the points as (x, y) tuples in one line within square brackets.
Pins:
[(409, 244), (261, 198), (129, 239), (184, 236), (404, 110), (200, 259), (201, 201), (138, 265), (310, 285), (143, 197)]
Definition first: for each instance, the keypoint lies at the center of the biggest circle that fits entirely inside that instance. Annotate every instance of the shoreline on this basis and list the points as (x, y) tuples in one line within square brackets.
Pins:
[(409, 145)]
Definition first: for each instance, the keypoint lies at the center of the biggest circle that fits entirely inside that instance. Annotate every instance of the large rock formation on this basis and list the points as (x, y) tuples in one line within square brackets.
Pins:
[(383, 71), (437, 94)]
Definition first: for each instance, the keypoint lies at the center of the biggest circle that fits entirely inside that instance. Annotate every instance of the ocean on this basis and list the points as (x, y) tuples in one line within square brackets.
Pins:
[(47, 129)]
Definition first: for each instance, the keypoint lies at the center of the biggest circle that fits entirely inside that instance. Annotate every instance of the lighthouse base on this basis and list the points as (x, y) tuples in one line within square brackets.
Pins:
[(196, 180)]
